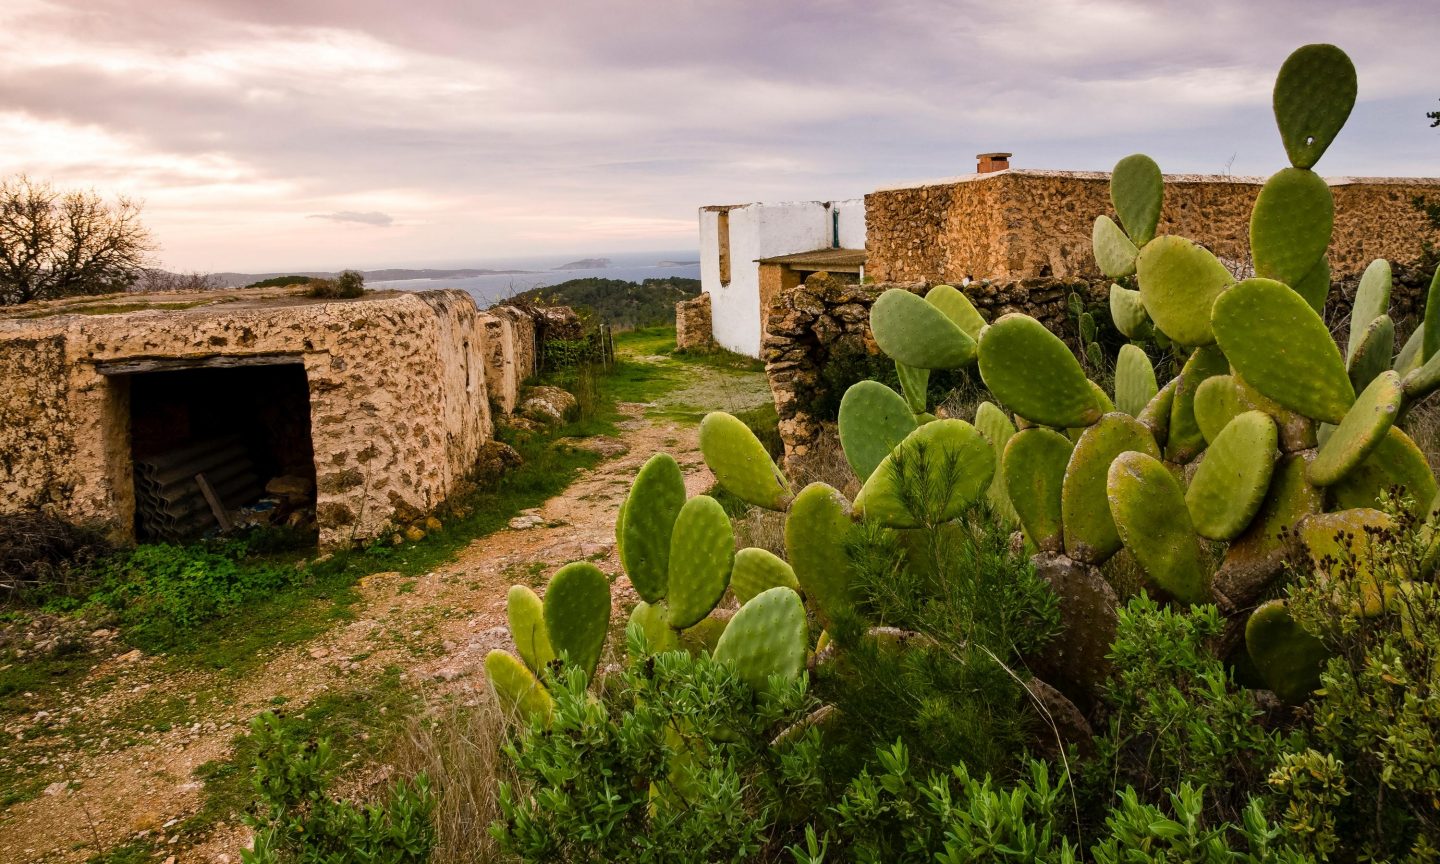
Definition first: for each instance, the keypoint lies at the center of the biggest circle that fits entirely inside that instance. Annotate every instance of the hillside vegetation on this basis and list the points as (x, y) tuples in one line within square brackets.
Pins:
[(624, 304)]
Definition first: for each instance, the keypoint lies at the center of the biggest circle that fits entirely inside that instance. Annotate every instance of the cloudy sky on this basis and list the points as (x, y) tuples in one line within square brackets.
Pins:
[(268, 134)]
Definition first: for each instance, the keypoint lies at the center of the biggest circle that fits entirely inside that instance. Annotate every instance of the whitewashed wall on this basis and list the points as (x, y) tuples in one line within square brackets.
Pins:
[(852, 222), (764, 231)]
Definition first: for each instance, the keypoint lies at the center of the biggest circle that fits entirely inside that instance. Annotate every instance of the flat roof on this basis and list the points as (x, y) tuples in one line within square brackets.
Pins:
[(819, 259), (1169, 178)]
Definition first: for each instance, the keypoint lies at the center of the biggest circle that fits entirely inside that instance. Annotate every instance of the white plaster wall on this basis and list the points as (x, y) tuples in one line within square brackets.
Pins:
[(852, 222), (735, 308), (764, 231)]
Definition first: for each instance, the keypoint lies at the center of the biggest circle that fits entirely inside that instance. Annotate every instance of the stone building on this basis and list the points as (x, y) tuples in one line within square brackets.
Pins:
[(739, 242), (111, 410), (1014, 224)]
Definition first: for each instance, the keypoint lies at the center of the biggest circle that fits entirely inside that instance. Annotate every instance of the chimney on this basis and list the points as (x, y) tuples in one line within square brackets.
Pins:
[(991, 162)]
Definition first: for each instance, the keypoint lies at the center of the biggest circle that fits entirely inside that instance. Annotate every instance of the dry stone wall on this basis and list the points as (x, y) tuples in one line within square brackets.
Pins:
[(1036, 224), (398, 383), (692, 324)]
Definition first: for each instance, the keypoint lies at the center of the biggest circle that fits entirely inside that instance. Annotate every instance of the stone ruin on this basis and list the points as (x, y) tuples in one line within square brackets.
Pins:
[(160, 415)]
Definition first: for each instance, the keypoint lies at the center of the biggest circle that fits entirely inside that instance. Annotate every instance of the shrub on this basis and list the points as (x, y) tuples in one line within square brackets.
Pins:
[(1365, 778), (1177, 716), (674, 763), (348, 285), (301, 823)]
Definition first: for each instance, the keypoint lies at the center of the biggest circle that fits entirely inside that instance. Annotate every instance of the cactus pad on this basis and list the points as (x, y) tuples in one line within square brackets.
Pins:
[(1034, 469), (1186, 439), (1230, 485), (914, 384), (1134, 380), (740, 462), (873, 420), (766, 637), (1372, 299), (1179, 281), (1366, 424), (1408, 360), (1255, 558), (918, 333), (526, 616), (1422, 381), (1315, 286), (1217, 402), (815, 532), (1282, 348), (1148, 506), (518, 691), (702, 554), (1113, 250), (577, 614), (758, 570), (653, 619), (1314, 93), (1137, 190), (1032, 372), (1373, 353), (1430, 345), (1288, 658), (1397, 463), (645, 522), (997, 429), (1090, 535), (957, 307), (1156, 416), (932, 448), (1291, 224), (1128, 313)]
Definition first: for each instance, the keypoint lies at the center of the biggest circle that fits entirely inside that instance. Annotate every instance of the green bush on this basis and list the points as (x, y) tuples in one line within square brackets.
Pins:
[(675, 763), (282, 281), (1177, 715), (348, 285), (300, 823)]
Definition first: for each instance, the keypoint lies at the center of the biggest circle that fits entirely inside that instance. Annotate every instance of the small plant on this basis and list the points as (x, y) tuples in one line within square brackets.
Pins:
[(301, 823)]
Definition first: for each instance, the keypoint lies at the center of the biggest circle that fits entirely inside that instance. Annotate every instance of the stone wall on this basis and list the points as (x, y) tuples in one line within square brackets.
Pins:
[(398, 393), (1033, 224), (692, 324)]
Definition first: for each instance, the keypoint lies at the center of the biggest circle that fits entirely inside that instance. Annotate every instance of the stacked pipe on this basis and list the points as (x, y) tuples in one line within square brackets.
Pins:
[(169, 500)]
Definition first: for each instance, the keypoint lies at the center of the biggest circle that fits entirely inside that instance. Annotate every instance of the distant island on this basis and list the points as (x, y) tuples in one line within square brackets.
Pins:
[(227, 280), (676, 263), (585, 264)]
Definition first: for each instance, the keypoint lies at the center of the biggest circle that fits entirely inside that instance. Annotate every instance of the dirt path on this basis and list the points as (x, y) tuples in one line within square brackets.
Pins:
[(121, 777)]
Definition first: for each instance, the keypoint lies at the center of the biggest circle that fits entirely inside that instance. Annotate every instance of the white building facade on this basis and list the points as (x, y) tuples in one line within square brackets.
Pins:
[(734, 238)]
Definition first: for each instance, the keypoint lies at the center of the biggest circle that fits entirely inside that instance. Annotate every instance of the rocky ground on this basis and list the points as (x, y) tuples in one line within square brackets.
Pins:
[(118, 752)]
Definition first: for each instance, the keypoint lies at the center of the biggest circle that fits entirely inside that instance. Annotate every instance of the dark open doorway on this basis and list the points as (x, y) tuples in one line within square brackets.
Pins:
[(218, 447)]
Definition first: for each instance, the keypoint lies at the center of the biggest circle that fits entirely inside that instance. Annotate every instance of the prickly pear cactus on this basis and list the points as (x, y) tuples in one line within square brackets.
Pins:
[(702, 555), (740, 462), (577, 614), (646, 520), (767, 637)]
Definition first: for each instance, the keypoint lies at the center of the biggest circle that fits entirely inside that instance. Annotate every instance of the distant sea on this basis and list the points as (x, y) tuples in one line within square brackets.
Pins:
[(488, 290)]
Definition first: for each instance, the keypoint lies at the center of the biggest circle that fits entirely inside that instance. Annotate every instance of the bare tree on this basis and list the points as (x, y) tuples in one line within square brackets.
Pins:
[(57, 244), (153, 279)]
